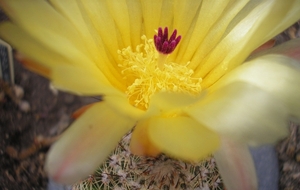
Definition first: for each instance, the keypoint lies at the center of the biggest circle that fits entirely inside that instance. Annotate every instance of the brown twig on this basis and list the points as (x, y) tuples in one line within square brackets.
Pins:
[(6, 88), (38, 143)]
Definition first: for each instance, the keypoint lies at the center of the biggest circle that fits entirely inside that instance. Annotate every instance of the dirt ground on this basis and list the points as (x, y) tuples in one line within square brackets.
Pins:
[(25, 136)]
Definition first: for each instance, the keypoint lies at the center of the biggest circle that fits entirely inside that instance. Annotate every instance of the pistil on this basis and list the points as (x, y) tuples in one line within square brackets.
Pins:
[(164, 45)]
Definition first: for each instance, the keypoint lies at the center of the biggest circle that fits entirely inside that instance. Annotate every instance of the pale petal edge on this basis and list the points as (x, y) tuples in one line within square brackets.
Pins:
[(86, 144)]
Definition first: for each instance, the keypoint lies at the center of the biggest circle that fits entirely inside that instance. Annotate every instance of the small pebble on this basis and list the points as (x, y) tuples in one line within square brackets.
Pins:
[(53, 89), (25, 77), (287, 167), (291, 149), (19, 92), (296, 176), (42, 156), (24, 106), (63, 123), (12, 152)]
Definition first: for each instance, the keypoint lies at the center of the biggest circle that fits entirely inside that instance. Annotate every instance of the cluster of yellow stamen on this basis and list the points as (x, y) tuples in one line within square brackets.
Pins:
[(147, 73)]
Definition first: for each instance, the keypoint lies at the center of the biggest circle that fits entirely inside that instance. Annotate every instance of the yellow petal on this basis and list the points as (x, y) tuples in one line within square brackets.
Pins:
[(96, 49), (119, 12), (236, 166), (97, 14), (30, 47), (33, 66), (71, 11), (182, 20), (50, 28), (184, 23), (275, 74), (258, 22), (244, 113), (81, 81), (86, 144), (182, 137), (167, 14), (167, 101), (24, 13), (135, 18), (55, 49), (209, 28), (151, 11), (119, 102)]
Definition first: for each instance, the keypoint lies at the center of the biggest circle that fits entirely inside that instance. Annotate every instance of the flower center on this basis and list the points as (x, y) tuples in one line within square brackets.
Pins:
[(147, 70)]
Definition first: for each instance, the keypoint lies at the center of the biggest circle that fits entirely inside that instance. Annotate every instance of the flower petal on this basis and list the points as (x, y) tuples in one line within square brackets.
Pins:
[(54, 47), (182, 20), (210, 26), (97, 13), (151, 11), (32, 65), (30, 47), (118, 101), (81, 110), (243, 112), (24, 13), (136, 21), (50, 28), (78, 80), (275, 74), (140, 143), (167, 101), (184, 23), (71, 11), (269, 44), (258, 22), (96, 49), (236, 166), (182, 137), (86, 144), (290, 48), (45, 60), (89, 82), (119, 12)]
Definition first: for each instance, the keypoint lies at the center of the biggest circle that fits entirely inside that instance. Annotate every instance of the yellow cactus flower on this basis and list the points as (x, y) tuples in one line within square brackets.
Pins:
[(188, 95)]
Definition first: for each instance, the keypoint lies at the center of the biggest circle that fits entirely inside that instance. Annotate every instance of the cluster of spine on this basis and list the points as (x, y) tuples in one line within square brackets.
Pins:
[(123, 171)]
